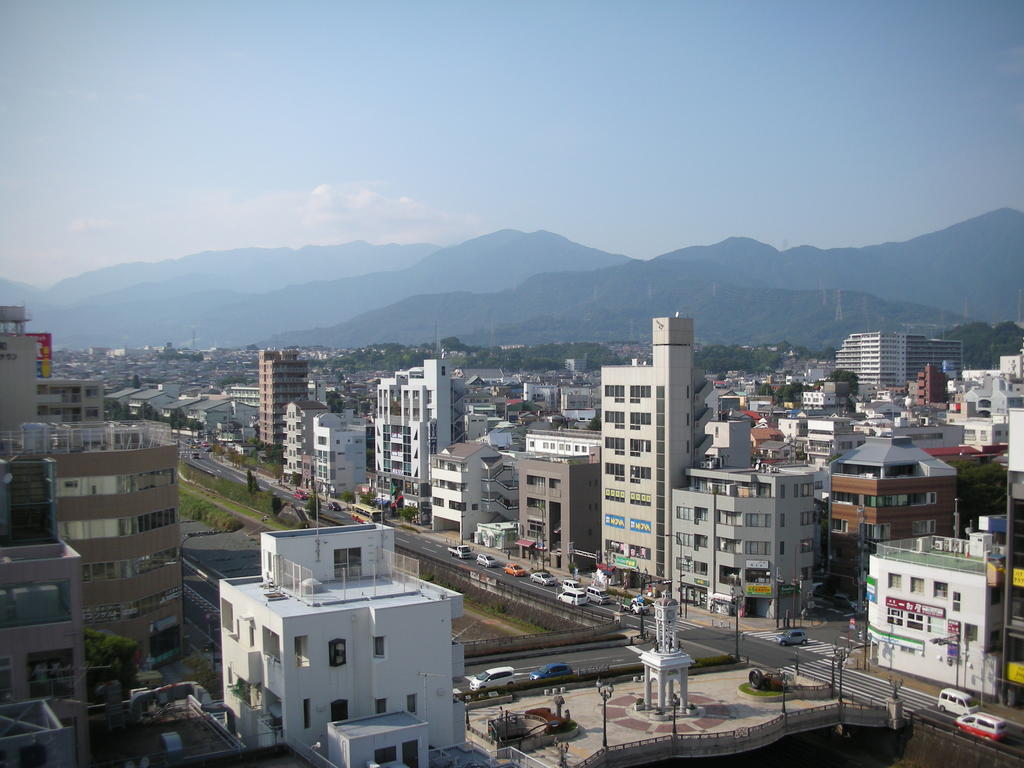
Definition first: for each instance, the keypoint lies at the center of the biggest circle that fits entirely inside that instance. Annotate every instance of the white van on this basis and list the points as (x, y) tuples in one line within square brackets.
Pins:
[(572, 596), (495, 677), (956, 702), (596, 593)]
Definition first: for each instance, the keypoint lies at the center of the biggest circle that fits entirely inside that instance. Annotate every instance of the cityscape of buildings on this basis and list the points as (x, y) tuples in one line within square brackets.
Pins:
[(766, 497)]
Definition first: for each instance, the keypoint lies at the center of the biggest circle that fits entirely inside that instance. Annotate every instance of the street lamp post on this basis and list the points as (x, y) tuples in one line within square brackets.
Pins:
[(736, 612), (643, 584), (675, 706), (605, 691)]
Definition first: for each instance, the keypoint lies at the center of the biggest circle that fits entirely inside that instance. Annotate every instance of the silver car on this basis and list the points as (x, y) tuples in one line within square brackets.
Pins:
[(543, 577)]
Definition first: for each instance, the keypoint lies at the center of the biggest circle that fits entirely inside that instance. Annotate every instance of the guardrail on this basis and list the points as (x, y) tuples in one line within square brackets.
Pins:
[(738, 740)]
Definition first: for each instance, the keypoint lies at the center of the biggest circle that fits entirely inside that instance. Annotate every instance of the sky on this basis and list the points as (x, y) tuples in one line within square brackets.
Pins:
[(146, 131)]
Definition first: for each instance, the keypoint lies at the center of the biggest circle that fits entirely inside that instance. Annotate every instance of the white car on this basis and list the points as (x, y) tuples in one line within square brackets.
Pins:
[(573, 597), (487, 561), (543, 577), (571, 584)]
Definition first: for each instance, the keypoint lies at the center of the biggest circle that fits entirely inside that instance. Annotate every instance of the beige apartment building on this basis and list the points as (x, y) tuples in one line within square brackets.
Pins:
[(282, 380), (68, 400), (653, 419), (117, 505)]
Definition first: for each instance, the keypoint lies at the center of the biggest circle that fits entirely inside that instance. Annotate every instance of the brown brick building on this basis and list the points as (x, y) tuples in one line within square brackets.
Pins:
[(282, 380), (887, 488), (931, 386)]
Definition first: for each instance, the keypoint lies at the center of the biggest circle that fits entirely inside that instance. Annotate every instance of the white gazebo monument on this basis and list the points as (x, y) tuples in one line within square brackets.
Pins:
[(666, 664)]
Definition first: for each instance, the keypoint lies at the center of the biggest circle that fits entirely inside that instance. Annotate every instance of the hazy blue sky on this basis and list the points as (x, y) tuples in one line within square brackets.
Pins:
[(142, 131)]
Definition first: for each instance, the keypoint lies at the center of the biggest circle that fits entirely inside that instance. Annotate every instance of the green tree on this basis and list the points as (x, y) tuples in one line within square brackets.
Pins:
[(766, 390), (348, 497), (135, 382), (109, 657), (250, 482), (296, 479), (594, 425), (201, 671), (275, 505), (980, 490), (367, 499)]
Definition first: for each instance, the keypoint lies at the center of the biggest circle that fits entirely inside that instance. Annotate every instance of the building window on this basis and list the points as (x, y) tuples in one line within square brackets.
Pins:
[(637, 420), (410, 703), (411, 754), (839, 525), (923, 527), (684, 513), (916, 585), (956, 601), (301, 650), (336, 654), (806, 545), (380, 706), (339, 710), (895, 617), (940, 589), (384, 754), (915, 620), (348, 563), (700, 514), (782, 547), (378, 646), (895, 581), (305, 713)]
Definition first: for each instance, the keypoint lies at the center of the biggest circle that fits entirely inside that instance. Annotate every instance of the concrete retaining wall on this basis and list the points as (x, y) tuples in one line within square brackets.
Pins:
[(933, 745)]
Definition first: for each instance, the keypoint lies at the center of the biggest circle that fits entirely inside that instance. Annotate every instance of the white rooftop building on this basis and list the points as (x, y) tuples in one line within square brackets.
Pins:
[(935, 609), (323, 636)]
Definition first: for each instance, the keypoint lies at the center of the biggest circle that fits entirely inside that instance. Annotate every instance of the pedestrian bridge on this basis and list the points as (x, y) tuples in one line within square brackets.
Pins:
[(739, 740)]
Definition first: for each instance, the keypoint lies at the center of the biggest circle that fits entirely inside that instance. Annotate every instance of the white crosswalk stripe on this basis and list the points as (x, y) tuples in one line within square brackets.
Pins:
[(811, 646), (862, 687)]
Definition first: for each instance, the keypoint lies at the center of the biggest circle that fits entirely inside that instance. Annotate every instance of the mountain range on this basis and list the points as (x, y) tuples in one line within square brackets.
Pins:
[(515, 287)]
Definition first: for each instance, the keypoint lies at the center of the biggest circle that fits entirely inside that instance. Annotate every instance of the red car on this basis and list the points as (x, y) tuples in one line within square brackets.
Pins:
[(301, 495)]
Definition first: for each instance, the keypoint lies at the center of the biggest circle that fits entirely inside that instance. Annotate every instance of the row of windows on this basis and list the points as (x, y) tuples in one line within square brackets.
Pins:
[(889, 500), (127, 569), (101, 614), (883, 531), (108, 485), (109, 527)]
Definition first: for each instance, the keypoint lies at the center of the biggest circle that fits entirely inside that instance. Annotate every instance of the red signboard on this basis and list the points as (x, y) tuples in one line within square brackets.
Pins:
[(910, 605), (953, 627), (44, 354)]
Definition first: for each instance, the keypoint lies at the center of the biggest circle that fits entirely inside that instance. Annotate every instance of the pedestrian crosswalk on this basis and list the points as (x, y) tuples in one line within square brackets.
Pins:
[(811, 646), (860, 687)]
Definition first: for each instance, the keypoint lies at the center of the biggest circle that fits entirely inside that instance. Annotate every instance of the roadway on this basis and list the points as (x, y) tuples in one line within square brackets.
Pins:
[(814, 660)]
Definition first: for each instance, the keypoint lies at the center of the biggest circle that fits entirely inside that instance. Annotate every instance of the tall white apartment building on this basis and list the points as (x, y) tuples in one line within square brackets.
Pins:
[(339, 452), (932, 612), (298, 436), (419, 412), (472, 484), (652, 430), (335, 628), (891, 359)]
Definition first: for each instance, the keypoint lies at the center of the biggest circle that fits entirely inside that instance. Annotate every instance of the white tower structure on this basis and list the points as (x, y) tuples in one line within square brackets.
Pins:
[(667, 665)]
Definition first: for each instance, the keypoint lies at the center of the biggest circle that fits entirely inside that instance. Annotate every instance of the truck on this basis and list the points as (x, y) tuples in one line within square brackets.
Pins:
[(461, 551)]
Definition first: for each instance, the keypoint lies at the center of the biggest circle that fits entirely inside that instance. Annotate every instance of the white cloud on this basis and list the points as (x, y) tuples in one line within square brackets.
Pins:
[(328, 213), (86, 224)]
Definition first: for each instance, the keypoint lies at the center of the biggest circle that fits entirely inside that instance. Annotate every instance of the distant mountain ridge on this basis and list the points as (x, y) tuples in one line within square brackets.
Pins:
[(519, 287)]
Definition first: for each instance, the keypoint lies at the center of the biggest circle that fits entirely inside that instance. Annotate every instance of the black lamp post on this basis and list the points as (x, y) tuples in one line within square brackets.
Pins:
[(675, 706), (736, 611), (783, 694), (605, 690), (643, 585)]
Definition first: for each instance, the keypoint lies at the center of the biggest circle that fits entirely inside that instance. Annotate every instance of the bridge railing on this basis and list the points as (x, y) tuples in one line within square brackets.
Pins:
[(743, 739)]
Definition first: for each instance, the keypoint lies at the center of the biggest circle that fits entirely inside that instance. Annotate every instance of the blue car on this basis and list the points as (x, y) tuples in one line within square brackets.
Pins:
[(557, 669)]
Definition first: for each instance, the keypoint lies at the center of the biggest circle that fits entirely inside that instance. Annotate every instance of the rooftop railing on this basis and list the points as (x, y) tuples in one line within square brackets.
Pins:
[(46, 438)]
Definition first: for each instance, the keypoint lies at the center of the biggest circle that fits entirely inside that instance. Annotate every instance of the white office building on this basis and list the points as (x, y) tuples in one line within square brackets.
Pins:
[(298, 436), (653, 419), (339, 452), (892, 359), (563, 442), (419, 412), (322, 637), (932, 611), (472, 484)]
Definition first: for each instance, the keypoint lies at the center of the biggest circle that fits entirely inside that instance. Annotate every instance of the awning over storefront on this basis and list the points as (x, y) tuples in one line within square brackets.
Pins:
[(718, 596), (606, 568), (525, 543)]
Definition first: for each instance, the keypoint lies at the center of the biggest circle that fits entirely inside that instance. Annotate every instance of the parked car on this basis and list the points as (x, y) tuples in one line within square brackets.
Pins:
[(572, 596), (983, 725), (543, 577), (334, 506), (515, 569), (792, 637), (195, 454), (487, 561), (555, 669), (571, 584)]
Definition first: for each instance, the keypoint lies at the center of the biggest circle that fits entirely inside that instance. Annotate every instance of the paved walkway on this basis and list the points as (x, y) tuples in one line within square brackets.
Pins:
[(722, 708)]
